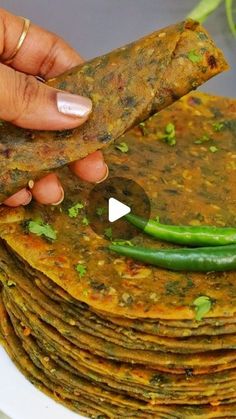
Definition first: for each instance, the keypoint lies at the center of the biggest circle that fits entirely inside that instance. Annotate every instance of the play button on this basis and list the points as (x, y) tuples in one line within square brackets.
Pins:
[(110, 201), (116, 210)]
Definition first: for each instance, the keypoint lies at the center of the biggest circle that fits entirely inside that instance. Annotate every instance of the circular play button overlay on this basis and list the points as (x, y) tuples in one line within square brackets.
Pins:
[(108, 204)]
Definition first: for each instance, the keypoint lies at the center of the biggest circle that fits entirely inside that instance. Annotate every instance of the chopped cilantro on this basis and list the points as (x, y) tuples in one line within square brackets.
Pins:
[(169, 135), (193, 56), (108, 233), (85, 221), (74, 211), (202, 306), (218, 126), (202, 139), (170, 128), (100, 211), (41, 229), (123, 147), (213, 149), (81, 269)]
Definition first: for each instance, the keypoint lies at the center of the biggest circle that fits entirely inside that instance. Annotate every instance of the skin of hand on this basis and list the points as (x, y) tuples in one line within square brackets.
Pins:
[(29, 103)]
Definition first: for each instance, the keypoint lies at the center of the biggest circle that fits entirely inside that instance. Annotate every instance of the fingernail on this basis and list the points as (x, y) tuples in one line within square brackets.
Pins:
[(28, 199), (106, 175), (48, 190), (73, 105), (61, 199), (22, 197)]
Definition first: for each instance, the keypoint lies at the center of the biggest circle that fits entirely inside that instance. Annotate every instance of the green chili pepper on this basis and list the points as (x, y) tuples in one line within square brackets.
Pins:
[(187, 235), (202, 259)]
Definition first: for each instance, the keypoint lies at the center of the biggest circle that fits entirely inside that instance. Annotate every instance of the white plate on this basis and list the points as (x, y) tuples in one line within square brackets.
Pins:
[(19, 399)]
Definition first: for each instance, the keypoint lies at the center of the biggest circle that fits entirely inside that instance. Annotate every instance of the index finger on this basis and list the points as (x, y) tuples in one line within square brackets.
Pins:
[(42, 53)]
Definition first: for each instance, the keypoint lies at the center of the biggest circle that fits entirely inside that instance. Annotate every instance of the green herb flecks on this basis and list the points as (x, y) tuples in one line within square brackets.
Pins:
[(218, 126), (213, 149), (193, 56), (74, 211), (100, 211), (123, 147), (85, 221), (202, 139), (81, 269), (41, 229), (169, 134), (202, 306), (108, 233)]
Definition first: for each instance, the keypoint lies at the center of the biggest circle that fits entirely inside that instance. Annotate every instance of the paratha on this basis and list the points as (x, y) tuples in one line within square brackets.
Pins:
[(121, 340), (184, 183), (126, 86)]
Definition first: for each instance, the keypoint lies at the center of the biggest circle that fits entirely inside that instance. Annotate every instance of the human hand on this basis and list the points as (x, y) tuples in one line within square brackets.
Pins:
[(29, 103)]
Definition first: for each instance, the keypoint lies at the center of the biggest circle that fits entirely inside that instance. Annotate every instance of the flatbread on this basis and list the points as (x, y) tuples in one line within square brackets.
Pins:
[(44, 307), (174, 383), (122, 340), (41, 379), (184, 183), (126, 86)]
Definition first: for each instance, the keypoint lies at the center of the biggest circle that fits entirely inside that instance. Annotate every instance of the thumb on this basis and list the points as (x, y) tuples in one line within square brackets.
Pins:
[(28, 103)]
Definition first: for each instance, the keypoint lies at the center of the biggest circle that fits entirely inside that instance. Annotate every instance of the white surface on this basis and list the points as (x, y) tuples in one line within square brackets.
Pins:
[(19, 399), (116, 210)]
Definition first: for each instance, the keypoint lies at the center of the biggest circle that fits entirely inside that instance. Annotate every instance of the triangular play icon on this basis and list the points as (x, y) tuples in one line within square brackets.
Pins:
[(116, 210)]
